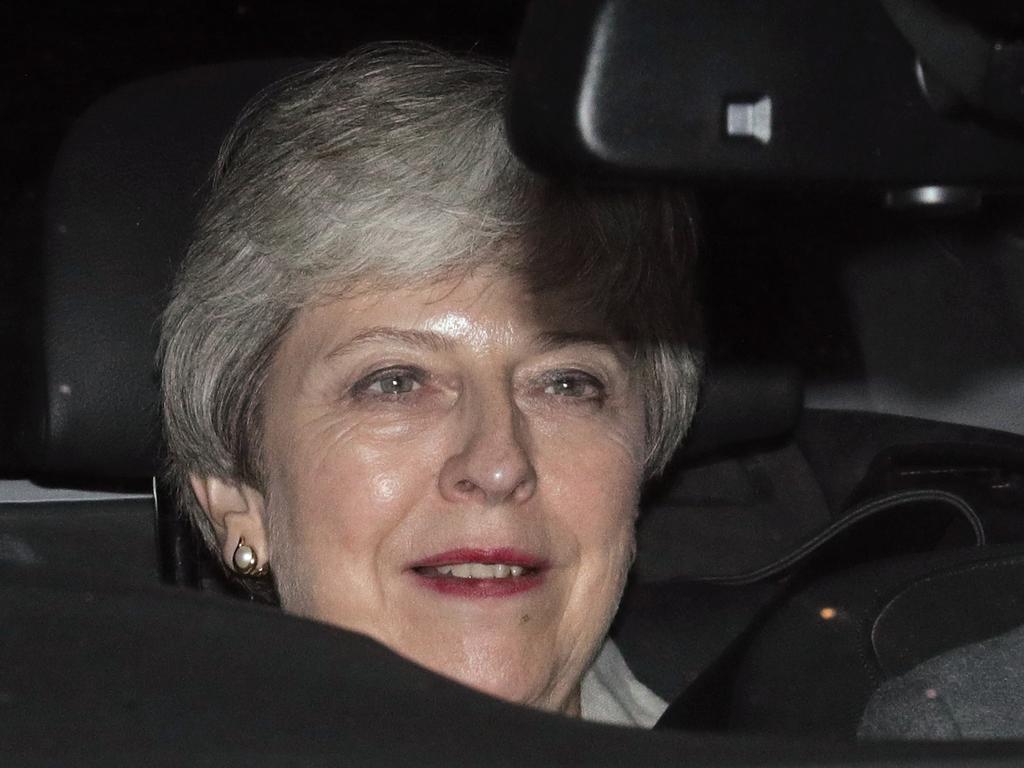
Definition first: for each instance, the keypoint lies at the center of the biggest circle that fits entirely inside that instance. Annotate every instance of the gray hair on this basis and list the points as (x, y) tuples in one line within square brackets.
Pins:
[(386, 167)]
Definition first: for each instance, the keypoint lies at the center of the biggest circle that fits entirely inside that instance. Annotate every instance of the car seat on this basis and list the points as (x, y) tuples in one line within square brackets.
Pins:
[(124, 189)]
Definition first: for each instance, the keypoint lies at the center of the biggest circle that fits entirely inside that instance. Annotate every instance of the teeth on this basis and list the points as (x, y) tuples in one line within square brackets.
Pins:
[(480, 570)]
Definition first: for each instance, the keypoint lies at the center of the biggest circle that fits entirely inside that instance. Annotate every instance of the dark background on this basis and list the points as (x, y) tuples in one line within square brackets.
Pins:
[(58, 58)]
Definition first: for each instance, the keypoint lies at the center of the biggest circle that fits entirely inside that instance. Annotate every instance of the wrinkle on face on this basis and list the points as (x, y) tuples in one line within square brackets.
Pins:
[(359, 479)]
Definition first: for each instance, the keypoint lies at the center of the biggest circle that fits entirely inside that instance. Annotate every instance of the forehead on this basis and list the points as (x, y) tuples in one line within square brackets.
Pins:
[(475, 309)]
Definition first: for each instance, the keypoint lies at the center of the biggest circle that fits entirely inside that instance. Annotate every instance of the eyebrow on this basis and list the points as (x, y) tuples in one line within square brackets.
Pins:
[(431, 340), (550, 340)]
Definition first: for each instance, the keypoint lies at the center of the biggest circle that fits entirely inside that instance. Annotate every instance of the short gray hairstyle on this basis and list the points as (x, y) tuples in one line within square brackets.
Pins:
[(382, 168)]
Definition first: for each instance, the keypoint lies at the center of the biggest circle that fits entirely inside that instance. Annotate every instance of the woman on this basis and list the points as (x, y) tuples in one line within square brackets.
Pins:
[(419, 386)]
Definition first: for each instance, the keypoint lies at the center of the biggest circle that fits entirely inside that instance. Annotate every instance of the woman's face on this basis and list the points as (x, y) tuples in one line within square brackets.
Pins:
[(456, 477)]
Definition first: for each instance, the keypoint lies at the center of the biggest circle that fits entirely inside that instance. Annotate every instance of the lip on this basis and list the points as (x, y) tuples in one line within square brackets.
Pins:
[(482, 588)]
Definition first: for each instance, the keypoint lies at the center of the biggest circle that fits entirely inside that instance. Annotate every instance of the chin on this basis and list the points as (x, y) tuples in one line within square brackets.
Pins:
[(517, 684), (535, 696)]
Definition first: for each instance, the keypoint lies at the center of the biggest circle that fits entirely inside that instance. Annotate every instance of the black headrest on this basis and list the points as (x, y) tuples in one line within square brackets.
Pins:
[(126, 186), (744, 403)]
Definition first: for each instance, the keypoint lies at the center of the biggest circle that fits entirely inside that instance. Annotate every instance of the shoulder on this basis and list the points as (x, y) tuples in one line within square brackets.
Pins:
[(976, 691)]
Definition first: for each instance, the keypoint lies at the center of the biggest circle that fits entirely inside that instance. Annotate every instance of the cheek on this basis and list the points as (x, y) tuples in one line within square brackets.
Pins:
[(387, 486), (603, 455), (594, 487), (336, 503), (350, 497), (596, 507)]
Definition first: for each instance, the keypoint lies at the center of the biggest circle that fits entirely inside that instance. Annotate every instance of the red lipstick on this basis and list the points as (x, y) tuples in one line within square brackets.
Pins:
[(523, 572)]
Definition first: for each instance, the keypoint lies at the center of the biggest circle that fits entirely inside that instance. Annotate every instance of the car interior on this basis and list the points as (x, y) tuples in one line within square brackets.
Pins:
[(849, 503)]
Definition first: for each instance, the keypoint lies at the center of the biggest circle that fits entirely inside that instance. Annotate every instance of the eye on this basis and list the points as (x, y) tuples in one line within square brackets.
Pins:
[(390, 384), (574, 384)]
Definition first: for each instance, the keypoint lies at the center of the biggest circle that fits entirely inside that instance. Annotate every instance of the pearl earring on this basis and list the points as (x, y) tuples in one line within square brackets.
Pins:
[(245, 561)]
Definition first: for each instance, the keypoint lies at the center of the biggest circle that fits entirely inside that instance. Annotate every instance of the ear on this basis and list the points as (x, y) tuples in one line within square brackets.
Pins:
[(236, 512)]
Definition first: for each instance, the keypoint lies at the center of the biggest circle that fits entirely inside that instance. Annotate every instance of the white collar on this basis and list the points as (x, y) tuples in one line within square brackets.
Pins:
[(610, 693)]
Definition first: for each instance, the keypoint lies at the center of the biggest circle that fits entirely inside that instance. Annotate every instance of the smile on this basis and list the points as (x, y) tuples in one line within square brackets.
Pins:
[(475, 571), (480, 573)]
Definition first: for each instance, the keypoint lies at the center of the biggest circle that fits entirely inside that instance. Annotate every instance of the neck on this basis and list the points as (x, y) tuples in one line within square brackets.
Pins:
[(572, 708)]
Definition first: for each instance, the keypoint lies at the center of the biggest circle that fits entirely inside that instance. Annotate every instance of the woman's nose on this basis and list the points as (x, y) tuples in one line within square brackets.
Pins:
[(492, 463)]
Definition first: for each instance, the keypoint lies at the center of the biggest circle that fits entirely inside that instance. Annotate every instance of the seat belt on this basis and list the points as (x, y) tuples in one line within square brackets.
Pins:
[(869, 508)]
